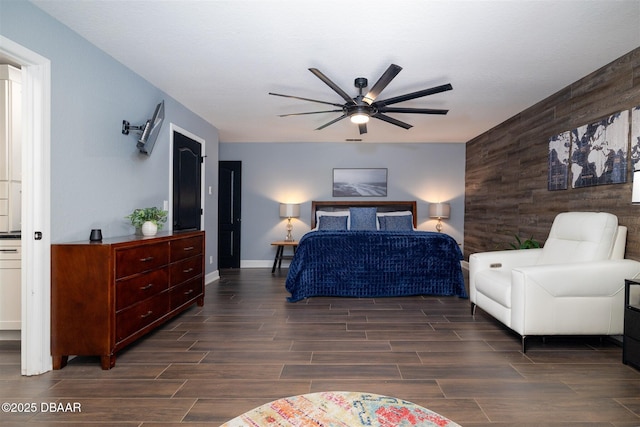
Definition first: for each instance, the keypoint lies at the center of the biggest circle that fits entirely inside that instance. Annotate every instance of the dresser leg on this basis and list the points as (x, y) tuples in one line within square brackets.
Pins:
[(59, 362), (107, 362)]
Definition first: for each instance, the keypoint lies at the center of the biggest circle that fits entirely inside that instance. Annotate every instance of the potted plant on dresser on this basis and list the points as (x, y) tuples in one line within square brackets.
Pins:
[(148, 220)]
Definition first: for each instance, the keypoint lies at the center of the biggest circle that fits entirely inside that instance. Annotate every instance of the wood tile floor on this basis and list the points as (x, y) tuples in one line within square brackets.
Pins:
[(248, 346)]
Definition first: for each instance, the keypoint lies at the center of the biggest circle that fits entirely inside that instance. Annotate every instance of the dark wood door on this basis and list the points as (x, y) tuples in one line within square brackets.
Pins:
[(187, 190), (229, 214)]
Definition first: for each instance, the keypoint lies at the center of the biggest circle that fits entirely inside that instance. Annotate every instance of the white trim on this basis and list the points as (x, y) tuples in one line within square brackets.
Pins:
[(175, 128), (261, 263), (36, 206), (212, 277)]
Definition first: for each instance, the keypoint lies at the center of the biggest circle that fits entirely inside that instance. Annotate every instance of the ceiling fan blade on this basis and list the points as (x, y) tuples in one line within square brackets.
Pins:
[(413, 95), (305, 99), (362, 127), (392, 121), (386, 109), (382, 82), (332, 122), (310, 112), (332, 85)]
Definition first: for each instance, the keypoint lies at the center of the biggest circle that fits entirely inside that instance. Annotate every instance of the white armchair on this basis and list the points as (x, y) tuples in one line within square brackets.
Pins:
[(572, 286)]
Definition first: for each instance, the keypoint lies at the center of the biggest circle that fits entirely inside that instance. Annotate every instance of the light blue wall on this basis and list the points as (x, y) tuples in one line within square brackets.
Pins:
[(302, 172), (97, 175)]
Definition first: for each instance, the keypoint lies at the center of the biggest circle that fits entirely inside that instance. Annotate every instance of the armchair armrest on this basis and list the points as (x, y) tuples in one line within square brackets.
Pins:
[(504, 260), (589, 279)]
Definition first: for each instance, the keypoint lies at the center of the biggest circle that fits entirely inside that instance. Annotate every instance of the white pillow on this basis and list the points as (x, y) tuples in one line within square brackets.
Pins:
[(395, 213)]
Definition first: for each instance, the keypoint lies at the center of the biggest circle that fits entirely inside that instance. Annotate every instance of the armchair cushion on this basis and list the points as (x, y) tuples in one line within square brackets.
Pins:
[(580, 237)]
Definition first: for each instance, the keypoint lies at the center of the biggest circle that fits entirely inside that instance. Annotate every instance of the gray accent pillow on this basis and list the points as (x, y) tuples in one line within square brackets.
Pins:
[(396, 223), (363, 219), (328, 223)]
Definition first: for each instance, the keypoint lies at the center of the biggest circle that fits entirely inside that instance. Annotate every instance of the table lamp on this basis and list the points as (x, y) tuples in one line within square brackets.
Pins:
[(440, 211), (289, 210)]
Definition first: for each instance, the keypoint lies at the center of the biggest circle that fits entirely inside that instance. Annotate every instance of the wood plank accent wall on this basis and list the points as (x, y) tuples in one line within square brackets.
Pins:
[(506, 167)]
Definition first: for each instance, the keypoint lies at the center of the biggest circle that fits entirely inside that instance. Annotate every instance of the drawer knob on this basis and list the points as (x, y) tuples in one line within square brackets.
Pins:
[(190, 291), (147, 314), (189, 248), (188, 270), (147, 259), (144, 288)]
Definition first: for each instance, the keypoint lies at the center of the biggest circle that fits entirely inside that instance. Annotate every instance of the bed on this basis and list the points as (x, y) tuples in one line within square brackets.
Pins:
[(341, 257)]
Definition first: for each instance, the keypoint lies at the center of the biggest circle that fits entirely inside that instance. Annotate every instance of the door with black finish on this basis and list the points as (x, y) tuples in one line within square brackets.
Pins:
[(229, 214), (187, 190)]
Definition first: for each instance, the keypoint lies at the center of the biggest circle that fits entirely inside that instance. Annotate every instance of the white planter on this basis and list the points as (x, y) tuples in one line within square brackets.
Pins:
[(149, 229)]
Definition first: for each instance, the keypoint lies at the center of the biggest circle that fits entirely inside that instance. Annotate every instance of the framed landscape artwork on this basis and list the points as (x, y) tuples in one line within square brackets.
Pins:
[(360, 182)]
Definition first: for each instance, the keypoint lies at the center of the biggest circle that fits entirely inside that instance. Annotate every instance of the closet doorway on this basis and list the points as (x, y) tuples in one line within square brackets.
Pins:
[(187, 209), (229, 213)]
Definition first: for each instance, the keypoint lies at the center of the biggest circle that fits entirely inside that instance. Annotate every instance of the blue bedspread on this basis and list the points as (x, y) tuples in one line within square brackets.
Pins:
[(375, 264)]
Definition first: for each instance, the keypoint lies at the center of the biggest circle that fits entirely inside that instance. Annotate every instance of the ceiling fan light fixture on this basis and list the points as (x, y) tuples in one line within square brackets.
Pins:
[(364, 106), (359, 118)]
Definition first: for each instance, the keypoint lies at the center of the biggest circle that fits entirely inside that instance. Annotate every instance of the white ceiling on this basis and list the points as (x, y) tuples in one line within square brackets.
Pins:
[(221, 58)]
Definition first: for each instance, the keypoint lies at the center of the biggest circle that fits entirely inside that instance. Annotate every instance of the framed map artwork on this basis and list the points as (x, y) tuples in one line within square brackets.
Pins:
[(599, 151), (635, 138), (559, 146)]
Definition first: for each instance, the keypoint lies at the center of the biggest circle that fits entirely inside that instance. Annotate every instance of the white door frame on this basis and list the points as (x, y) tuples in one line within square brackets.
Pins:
[(36, 210), (174, 128)]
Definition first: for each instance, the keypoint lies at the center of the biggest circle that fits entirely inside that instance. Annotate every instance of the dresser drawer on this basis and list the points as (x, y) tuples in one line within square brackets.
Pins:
[(140, 259), (136, 317), (185, 248), (185, 292), (140, 287), (186, 269)]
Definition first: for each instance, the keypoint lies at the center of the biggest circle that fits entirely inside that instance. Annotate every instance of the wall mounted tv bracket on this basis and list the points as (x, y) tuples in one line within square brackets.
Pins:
[(126, 127)]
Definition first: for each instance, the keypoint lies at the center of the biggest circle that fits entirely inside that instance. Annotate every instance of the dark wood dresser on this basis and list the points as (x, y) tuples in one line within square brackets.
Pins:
[(105, 295)]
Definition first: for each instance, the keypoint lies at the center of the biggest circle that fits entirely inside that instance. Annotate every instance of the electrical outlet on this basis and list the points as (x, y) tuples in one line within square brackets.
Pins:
[(211, 259)]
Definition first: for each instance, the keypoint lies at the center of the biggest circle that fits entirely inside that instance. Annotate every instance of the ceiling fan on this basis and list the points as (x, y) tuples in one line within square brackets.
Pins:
[(363, 107)]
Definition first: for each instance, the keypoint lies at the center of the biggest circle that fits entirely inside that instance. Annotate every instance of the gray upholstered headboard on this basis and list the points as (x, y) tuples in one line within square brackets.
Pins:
[(382, 206)]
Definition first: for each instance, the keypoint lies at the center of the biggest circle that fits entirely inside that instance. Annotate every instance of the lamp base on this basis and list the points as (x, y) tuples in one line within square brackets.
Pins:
[(439, 225), (289, 237)]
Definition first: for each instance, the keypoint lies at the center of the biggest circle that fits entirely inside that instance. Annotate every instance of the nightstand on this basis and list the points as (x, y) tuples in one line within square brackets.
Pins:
[(280, 252), (631, 343)]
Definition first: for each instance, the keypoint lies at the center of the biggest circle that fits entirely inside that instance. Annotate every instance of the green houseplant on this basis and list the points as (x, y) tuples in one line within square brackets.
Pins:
[(529, 243), (148, 220)]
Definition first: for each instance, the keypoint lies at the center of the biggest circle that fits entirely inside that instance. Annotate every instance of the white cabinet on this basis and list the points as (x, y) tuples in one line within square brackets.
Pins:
[(10, 149), (10, 284)]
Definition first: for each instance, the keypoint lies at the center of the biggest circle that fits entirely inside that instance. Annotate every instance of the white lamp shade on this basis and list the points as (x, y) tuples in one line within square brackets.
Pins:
[(439, 210), (289, 210), (635, 193)]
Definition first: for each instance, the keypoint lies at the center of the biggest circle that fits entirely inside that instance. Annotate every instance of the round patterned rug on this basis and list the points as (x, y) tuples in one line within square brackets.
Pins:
[(340, 409)]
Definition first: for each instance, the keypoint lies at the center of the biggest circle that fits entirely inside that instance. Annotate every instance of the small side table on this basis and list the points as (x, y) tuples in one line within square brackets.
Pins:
[(631, 343), (280, 252)]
